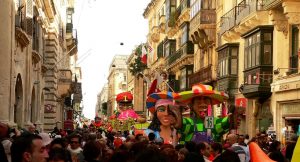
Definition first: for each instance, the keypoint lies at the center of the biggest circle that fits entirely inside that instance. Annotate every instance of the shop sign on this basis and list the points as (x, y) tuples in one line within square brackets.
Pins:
[(291, 108), (287, 86), (241, 102)]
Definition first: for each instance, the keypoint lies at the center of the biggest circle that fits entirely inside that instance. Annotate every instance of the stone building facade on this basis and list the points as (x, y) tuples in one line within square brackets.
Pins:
[(117, 81), (258, 44), (101, 105), (33, 49), (247, 48)]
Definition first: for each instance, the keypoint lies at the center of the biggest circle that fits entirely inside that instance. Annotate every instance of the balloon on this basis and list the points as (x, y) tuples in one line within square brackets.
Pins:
[(257, 155)]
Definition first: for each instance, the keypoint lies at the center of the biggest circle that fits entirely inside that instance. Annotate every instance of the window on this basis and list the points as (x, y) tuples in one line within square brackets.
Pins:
[(170, 8), (295, 48), (195, 8), (183, 79), (258, 48), (185, 35), (228, 59), (169, 47), (258, 56)]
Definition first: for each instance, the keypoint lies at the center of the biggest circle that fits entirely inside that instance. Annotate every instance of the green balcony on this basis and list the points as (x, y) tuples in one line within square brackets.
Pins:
[(257, 82)]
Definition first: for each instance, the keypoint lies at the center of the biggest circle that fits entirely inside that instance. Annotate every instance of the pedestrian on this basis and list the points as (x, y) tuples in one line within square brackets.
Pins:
[(28, 148), (75, 147)]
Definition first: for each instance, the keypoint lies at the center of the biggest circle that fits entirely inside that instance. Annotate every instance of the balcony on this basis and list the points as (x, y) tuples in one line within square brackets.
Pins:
[(228, 20), (243, 17), (271, 4), (21, 32), (162, 23), (50, 9), (71, 41), (64, 81), (257, 82), (154, 35), (203, 27), (171, 27), (186, 50), (204, 76), (182, 13), (229, 85)]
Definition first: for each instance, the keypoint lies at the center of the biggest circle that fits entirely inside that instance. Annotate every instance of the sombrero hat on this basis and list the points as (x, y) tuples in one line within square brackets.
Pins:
[(202, 90), (154, 97)]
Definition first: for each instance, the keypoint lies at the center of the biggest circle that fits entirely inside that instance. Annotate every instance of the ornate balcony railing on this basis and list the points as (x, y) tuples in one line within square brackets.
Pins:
[(239, 12), (268, 4), (174, 57), (186, 49), (183, 5), (204, 75)]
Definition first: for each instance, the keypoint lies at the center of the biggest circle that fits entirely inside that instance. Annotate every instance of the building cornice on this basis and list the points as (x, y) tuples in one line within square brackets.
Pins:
[(149, 7)]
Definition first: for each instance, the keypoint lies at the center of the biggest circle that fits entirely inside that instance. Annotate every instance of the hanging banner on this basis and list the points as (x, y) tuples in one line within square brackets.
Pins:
[(241, 102)]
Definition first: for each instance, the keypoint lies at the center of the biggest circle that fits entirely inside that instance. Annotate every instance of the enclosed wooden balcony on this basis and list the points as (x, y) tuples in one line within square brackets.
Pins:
[(257, 82), (204, 76)]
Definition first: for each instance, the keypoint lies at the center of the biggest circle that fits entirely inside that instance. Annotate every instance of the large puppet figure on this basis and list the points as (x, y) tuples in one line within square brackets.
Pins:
[(201, 98), (125, 106), (166, 112)]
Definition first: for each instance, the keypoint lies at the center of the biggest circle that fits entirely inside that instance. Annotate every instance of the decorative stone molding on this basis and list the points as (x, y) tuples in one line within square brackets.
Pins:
[(293, 17), (22, 37), (36, 57), (280, 21), (176, 66), (291, 10), (154, 36), (183, 17)]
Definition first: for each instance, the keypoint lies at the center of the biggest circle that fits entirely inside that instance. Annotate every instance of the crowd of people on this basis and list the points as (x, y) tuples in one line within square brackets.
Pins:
[(97, 145), (170, 136)]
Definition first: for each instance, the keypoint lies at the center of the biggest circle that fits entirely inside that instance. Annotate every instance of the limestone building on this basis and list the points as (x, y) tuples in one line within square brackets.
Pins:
[(169, 26), (258, 45), (35, 49), (137, 85), (117, 81), (101, 105)]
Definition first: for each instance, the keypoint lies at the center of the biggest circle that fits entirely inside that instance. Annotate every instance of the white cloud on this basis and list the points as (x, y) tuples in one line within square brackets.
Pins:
[(102, 26)]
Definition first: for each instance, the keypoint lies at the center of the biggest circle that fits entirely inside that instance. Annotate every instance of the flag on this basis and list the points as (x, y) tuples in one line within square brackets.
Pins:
[(144, 55), (147, 50), (155, 83)]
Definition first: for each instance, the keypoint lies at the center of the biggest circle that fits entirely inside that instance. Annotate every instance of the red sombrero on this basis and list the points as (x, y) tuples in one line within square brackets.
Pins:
[(202, 90), (154, 97)]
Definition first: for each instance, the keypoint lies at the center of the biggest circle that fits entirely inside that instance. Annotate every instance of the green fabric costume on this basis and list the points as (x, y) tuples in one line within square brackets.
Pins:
[(221, 126)]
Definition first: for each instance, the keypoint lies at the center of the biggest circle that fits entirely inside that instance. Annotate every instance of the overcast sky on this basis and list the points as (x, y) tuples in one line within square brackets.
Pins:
[(102, 25)]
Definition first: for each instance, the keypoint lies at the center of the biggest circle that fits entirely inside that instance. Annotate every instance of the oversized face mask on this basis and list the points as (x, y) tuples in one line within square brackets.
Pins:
[(169, 113), (125, 106), (200, 105)]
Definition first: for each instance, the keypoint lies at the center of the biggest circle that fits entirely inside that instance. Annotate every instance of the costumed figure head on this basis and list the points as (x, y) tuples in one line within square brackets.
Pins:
[(98, 122), (166, 112), (125, 106), (201, 98)]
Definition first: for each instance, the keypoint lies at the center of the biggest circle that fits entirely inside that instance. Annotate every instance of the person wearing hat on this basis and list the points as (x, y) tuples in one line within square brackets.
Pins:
[(201, 98), (125, 106), (166, 112)]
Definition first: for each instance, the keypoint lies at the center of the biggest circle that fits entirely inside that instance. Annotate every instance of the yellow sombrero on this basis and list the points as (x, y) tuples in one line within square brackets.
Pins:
[(201, 90)]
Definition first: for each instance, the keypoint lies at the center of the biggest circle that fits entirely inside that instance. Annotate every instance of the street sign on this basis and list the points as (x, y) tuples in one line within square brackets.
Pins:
[(209, 122)]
